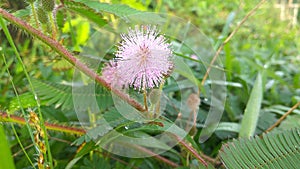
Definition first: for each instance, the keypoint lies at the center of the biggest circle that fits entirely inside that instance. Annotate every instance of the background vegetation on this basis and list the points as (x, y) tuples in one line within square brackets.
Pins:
[(261, 62)]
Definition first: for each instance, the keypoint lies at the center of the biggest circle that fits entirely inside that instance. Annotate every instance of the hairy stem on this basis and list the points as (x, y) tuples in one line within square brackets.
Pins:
[(12, 44), (57, 47), (4, 117)]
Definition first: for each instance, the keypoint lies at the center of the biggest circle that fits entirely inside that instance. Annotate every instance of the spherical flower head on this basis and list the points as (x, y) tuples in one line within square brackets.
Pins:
[(144, 57), (110, 74)]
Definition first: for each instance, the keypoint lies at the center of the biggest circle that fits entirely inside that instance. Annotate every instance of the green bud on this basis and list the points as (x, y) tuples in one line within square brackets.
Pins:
[(42, 15), (48, 5)]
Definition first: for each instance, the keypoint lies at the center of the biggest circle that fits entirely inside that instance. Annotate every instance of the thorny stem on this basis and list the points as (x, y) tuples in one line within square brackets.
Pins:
[(228, 39), (283, 117), (4, 117), (57, 47)]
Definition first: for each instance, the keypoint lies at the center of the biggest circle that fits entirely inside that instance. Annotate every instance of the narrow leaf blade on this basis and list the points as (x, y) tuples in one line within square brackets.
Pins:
[(5, 152), (252, 110)]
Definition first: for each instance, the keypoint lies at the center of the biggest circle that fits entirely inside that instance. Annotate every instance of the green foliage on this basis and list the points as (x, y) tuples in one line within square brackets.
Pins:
[(274, 150), (26, 99), (48, 5), (263, 44), (61, 95), (252, 110), (86, 12), (5, 152), (116, 9), (95, 163), (30, 1), (42, 15)]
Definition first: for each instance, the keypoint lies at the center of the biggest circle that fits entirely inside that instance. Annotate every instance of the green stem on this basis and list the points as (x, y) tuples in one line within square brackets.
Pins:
[(145, 99), (23, 112), (11, 42)]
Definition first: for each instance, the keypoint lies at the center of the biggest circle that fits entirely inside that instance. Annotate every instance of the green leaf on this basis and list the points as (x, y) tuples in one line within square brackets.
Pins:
[(290, 122), (88, 147), (184, 70), (96, 162), (252, 110), (114, 118), (274, 150), (63, 95), (26, 99), (226, 29), (144, 139), (280, 109), (5, 152), (85, 11), (116, 9), (228, 126)]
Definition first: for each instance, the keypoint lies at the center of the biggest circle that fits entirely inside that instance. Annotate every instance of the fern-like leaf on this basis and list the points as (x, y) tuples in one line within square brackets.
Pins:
[(274, 150), (116, 9), (62, 96), (85, 11)]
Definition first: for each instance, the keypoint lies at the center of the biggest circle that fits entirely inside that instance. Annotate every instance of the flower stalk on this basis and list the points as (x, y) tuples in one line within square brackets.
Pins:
[(57, 47)]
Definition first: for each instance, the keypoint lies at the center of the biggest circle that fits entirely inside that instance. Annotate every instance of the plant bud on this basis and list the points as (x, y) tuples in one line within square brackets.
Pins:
[(193, 101), (48, 5)]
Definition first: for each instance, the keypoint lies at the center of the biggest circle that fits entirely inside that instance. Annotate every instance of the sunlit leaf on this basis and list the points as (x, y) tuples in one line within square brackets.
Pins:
[(85, 11), (117, 9)]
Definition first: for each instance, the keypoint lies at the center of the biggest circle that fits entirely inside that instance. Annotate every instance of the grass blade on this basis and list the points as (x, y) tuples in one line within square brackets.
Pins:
[(5, 151), (251, 113)]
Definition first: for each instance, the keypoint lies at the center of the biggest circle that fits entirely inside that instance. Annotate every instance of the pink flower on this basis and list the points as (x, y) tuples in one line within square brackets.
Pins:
[(144, 57), (111, 75)]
